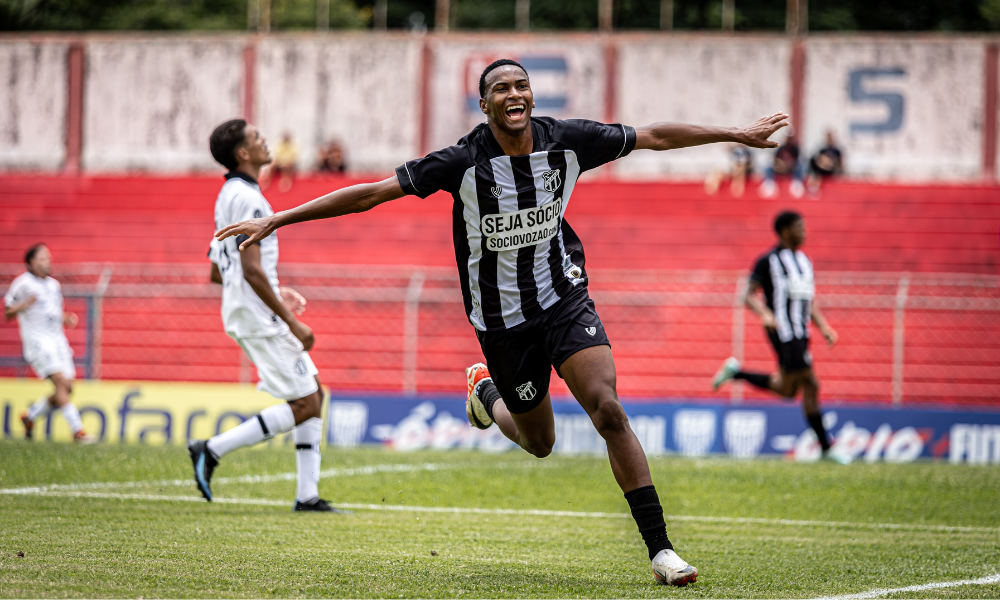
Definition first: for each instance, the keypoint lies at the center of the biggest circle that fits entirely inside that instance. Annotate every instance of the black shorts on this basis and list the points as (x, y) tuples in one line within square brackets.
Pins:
[(793, 355), (520, 359)]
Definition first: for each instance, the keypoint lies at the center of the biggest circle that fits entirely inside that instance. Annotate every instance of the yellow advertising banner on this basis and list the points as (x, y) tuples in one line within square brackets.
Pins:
[(136, 411)]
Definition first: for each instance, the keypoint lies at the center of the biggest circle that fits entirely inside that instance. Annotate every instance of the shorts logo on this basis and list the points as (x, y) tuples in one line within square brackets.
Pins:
[(300, 367), (496, 190), (591, 330), (526, 391), (257, 214), (551, 180), (807, 357)]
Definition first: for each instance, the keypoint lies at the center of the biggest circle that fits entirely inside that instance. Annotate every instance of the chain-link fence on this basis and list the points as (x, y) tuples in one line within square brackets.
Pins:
[(903, 337)]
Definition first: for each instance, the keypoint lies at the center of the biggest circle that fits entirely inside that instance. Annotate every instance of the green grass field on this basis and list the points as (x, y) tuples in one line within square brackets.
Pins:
[(118, 526)]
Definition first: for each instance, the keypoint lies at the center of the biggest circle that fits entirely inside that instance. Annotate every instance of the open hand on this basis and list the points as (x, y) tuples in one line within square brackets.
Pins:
[(757, 133), (293, 300), (254, 229)]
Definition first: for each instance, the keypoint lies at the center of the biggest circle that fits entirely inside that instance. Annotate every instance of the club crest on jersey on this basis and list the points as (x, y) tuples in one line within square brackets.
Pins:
[(551, 180), (591, 331), (497, 190), (526, 391)]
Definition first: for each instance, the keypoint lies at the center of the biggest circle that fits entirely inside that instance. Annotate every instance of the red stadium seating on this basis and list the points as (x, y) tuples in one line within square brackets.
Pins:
[(852, 226)]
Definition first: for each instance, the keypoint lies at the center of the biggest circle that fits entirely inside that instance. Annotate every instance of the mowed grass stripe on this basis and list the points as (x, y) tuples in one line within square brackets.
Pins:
[(521, 512)]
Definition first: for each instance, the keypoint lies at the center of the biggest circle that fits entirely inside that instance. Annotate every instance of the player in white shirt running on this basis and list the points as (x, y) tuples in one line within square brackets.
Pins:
[(260, 316), (36, 299)]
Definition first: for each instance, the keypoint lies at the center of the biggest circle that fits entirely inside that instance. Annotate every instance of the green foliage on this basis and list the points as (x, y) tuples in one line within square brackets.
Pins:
[(135, 541)]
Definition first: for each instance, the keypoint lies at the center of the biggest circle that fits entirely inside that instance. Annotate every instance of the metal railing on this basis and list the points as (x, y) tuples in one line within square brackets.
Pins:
[(904, 337)]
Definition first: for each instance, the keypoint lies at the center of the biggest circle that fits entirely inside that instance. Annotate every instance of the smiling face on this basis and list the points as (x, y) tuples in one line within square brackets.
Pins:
[(254, 150), (508, 100)]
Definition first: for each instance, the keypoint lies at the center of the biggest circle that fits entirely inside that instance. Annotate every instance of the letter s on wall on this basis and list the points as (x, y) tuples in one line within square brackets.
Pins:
[(894, 103)]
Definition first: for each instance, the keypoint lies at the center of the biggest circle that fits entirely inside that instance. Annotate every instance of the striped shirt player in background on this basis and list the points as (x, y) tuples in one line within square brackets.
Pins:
[(785, 276), (522, 271), (37, 301), (260, 316)]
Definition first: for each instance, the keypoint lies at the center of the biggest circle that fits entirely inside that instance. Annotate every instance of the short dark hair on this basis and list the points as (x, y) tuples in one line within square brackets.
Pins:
[(494, 65), (225, 140), (30, 254), (786, 220)]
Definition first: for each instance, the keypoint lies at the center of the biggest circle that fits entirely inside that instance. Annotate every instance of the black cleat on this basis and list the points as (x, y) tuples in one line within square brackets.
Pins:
[(318, 505), (204, 463)]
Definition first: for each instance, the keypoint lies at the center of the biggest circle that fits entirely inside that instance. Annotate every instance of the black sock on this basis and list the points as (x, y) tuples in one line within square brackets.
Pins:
[(816, 421), (760, 380), (648, 515), (488, 395)]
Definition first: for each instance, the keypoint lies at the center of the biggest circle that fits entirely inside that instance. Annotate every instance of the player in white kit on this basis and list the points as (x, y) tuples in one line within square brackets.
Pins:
[(260, 316), (36, 299)]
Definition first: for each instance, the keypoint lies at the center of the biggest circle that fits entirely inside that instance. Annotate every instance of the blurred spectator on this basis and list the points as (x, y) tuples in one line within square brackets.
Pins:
[(285, 156), (786, 163), (331, 158), (740, 169), (829, 161)]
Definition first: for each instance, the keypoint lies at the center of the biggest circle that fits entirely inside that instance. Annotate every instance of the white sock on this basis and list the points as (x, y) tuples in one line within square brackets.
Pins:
[(307, 436), (40, 408), (270, 422), (72, 417)]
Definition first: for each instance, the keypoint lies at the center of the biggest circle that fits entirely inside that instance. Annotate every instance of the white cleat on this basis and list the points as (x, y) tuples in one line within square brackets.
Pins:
[(670, 569), (726, 372), (474, 408)]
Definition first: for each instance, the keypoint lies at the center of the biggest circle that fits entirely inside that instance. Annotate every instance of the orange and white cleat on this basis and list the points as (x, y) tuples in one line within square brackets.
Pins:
[(474, 408), (29, 425), (670, 569), (81, 437)]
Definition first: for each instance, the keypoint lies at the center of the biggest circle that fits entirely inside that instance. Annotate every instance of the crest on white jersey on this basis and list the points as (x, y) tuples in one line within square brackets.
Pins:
[(551, 180), (526, 391), (497, 190), (591, 330)]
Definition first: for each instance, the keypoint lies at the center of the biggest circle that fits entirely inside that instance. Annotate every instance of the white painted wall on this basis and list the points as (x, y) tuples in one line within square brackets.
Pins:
[(940, 137), (459, 61), (150, 104), (33, 97), (360, 89), (707, 80)]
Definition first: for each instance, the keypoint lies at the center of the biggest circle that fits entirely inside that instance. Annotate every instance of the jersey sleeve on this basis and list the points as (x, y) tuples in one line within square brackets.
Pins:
[(213, 251), (761, 273), (440, 170), (596, 143), (13, 294)]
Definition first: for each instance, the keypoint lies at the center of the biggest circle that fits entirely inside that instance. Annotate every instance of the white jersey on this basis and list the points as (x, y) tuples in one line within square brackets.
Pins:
[(43, 320), (244, 314)]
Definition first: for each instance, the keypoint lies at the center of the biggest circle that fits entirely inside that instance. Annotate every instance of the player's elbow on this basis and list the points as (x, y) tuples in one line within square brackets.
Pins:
[(252, 273)]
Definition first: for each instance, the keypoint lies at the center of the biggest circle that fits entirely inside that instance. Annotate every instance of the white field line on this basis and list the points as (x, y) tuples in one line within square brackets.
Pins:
[(878, 593), (367, 470), (508, 511)]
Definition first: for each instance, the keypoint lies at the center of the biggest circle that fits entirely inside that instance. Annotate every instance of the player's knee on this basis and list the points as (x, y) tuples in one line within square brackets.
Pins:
[(541, 446), (609, 418)]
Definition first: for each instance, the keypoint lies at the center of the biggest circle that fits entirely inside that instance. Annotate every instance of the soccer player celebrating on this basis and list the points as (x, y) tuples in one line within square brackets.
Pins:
[(37, 301), (785, 274), (260, 316), (522, 270)]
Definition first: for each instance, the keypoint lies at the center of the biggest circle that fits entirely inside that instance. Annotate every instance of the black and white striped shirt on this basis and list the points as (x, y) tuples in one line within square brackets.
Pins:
[(787, 279), (516, 254)]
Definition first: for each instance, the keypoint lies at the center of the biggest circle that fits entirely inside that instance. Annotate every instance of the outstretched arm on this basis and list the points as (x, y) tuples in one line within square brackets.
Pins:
[(669, 136), (354, 199)]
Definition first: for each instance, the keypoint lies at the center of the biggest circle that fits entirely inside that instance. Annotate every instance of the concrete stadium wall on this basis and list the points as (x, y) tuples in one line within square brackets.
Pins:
[(909, 108), (150, 104), (33, 99), (697, 79), (359, 89)]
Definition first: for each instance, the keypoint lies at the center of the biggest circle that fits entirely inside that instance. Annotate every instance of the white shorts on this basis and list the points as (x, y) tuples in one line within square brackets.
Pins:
[(284, 368), (50, 355)]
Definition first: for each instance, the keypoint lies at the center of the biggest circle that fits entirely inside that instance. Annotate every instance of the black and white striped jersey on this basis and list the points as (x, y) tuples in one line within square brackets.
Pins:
[(789, 288), (516, 254)]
